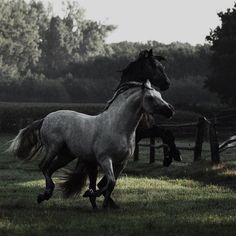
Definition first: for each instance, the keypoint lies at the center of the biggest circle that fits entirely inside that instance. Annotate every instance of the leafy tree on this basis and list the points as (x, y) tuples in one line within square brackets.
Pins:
[(93, 40), (222, 79), (56, 45), (73, 38), (19, 38)]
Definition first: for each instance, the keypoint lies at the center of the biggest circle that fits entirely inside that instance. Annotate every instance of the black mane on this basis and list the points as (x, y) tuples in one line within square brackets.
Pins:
[(134, 64), (128, 68)]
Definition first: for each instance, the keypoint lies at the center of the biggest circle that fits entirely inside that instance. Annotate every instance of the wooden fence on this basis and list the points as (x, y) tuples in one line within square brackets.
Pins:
[(203, 127)]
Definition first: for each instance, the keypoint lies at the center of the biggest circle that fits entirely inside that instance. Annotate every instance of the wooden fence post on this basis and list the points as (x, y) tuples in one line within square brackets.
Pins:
[(201, 126), (214, 144), (152, 151), (136, 152)]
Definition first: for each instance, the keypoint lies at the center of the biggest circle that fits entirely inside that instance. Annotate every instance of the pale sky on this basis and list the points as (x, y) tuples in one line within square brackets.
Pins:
[(165, 21)]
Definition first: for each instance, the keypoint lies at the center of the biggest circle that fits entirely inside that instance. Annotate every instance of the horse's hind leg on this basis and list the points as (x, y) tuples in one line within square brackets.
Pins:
[(92, 173), (50, 155), (173, 152), (50, 166)]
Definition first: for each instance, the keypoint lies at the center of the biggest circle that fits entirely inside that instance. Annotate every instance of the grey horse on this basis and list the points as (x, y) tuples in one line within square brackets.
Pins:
[(106, 140)]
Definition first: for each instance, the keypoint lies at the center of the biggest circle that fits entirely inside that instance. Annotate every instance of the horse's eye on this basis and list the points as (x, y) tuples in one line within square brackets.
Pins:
[(153, 63)]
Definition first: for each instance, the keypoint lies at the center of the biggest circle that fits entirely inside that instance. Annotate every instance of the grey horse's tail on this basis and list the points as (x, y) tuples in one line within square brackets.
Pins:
[(27, 142), (74, 181)]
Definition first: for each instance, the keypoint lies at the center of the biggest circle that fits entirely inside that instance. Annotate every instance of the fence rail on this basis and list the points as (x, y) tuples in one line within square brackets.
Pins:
[(202, 128)]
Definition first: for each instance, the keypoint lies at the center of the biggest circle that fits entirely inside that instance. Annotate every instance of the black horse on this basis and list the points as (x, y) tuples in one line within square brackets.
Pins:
[(146, 66), (147, 130), (139, 70)]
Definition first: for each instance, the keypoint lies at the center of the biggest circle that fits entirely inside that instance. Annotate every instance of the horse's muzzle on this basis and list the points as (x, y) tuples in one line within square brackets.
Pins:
[(167, 111)]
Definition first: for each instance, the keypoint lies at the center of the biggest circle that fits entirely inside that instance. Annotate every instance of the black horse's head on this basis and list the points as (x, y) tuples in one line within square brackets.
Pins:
[(146, 66), (152, 69)]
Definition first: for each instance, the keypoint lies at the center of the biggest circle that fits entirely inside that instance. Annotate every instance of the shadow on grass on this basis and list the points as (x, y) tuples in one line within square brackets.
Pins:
[(202, 171)]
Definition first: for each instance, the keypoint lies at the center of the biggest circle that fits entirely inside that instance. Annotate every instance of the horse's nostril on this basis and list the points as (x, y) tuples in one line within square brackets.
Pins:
[(167, 111)]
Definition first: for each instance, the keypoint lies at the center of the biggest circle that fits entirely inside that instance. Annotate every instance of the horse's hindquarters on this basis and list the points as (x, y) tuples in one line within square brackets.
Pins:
[(73, 129)]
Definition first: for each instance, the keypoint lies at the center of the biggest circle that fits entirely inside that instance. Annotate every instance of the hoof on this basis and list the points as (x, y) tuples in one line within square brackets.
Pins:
[(89, 193), (47, 194), (40, 198), (44, 196), (179, 158), (176, 156)]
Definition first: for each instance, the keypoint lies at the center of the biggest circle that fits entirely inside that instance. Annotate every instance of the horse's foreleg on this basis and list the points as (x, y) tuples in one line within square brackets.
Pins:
[(106, 165), (92, 173), (101, 185), (169, 139), (117, 171)]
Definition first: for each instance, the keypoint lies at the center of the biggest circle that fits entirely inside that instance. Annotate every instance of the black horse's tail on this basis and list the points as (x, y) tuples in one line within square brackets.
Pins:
[(27, 142), (74, 181)]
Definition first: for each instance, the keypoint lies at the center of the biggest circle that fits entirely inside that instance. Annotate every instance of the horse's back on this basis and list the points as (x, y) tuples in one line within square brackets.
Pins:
[(66, 113), (66, 126)]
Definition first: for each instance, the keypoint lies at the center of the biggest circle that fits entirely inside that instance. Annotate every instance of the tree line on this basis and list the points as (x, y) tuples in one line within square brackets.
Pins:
[(222, 77), (47, 58)]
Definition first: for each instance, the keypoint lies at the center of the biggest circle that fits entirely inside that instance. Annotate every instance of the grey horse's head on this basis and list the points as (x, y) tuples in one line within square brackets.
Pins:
[(153, 103)]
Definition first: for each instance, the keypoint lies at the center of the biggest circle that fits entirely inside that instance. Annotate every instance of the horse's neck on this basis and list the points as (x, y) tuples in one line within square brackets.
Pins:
[(134, 73), (126, 112)]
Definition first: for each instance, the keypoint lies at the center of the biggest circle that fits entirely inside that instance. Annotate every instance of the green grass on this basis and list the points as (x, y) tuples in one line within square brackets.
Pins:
[(184, 199)]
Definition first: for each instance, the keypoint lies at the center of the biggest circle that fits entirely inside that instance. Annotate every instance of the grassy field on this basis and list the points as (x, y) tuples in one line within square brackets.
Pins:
[(184, 199)]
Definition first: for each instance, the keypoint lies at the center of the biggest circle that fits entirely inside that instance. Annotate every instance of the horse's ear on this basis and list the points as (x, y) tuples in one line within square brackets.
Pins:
[(146, 84), (160, 58)]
